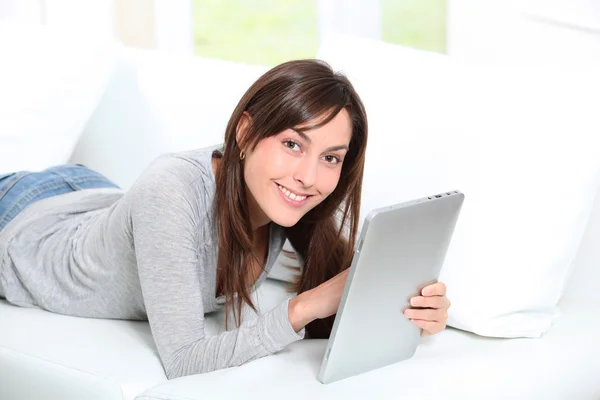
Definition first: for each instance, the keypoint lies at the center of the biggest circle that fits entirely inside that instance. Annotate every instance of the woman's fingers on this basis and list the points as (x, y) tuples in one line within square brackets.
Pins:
[(431, 309), (435, 289), (429, 327), (427, 314), (430, 302)]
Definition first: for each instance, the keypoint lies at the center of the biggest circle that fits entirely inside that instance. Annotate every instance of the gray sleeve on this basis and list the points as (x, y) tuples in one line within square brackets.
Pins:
[(166, 238)]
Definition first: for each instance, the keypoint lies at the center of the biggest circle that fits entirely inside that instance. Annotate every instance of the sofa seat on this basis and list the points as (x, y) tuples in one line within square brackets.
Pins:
[(49, 356), (453, 365)]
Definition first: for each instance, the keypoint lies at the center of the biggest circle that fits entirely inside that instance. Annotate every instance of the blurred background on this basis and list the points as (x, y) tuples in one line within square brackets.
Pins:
[(267, 32)]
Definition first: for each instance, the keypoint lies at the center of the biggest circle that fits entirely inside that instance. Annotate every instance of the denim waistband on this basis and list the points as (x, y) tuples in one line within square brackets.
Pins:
[(23, 188)]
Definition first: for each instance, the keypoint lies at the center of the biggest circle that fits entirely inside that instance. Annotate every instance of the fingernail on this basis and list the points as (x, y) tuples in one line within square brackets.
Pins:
[(413, 301)]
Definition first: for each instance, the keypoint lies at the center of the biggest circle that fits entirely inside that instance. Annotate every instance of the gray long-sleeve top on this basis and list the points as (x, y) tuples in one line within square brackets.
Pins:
[(146, 253)]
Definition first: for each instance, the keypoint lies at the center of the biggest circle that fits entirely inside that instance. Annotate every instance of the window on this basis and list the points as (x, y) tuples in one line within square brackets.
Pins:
[(259, 31), (269, 32)]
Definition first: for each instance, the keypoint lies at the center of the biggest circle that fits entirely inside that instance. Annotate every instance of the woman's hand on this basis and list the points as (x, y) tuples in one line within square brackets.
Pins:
[(320, 302), (324, 301), (432, 312)]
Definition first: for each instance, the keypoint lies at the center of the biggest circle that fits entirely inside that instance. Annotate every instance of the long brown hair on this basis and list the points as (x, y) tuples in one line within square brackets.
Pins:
[(289, 95)]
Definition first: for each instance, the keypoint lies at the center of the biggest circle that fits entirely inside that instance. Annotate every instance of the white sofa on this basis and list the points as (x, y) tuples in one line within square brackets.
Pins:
[(157, 103)]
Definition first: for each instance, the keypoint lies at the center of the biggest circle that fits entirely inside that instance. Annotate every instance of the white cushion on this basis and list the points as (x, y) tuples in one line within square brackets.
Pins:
[(51, 81), (158, 103), (521, 144)]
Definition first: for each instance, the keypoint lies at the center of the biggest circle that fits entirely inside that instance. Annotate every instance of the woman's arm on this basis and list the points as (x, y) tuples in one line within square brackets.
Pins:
[(164, 221), (320, 302)]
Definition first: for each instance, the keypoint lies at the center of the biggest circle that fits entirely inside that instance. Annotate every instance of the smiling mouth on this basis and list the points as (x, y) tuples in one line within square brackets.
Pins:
[(291, 195)]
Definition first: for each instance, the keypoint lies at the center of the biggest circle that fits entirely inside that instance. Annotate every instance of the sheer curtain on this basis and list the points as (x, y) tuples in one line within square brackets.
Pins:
[(167, 24), (94, 17), (350, 17), (160, 24), (562, 31)]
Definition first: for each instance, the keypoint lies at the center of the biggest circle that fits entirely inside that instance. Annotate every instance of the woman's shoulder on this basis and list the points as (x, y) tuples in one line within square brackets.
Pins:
[(185, 174), (184, 167)]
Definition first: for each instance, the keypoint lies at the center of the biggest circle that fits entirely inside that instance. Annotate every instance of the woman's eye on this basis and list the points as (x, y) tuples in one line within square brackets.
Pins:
[(290, 144), (332, 159)]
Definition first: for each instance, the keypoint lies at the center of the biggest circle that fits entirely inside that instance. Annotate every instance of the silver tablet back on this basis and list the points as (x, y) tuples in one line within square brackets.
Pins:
[(401, 249)]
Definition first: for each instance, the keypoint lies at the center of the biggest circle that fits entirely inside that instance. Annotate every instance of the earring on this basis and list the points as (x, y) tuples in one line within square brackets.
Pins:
[(242, 155)]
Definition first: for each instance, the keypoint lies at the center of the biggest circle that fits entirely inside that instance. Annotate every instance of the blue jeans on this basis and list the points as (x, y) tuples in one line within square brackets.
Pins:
[(21, 189)]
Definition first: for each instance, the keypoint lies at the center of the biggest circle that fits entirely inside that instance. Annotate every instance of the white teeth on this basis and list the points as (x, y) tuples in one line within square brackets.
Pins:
[(291, 195)]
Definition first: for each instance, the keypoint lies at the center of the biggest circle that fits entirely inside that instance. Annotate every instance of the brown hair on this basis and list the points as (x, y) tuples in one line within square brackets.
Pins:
[(289, 95)]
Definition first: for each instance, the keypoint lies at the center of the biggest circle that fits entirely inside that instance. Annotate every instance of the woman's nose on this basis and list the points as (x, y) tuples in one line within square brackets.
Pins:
[(307, 171)]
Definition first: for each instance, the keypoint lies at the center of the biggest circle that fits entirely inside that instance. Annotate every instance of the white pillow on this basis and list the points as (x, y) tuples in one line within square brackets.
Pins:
[(520, 143), (159, 103), (51, 81)]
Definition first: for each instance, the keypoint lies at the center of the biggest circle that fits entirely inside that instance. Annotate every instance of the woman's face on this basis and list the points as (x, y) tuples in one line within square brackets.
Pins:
[(292, 172)]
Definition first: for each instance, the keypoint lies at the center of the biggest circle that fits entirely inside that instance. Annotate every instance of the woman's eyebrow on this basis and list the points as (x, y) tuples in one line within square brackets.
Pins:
[(340, 147), (305, 137)]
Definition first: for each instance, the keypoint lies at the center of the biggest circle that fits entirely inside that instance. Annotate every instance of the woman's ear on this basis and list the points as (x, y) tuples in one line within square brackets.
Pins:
[(242, 127)]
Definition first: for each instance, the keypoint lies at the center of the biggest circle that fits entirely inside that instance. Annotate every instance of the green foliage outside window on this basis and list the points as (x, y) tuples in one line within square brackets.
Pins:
[(272, 31)]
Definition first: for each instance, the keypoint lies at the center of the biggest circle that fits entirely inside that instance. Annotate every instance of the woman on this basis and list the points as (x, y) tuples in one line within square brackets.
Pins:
[(201, 229)]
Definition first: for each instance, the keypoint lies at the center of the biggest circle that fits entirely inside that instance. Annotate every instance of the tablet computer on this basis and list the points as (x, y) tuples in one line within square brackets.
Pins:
[(400, 250)]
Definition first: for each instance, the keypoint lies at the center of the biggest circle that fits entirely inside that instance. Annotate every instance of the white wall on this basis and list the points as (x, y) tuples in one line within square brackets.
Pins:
[(526, 31), (583, 14)]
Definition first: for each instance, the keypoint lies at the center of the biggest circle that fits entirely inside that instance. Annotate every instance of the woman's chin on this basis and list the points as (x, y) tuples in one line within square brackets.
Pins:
[(286, 222), (285, 218)]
